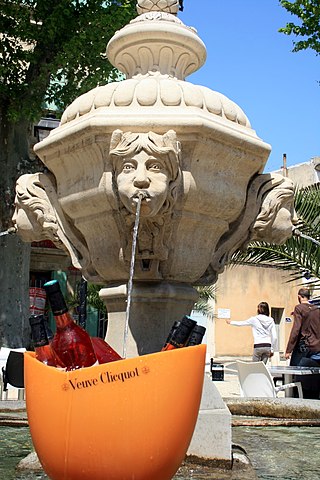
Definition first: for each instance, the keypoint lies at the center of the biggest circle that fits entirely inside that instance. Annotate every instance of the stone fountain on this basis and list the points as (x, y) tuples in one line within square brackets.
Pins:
[(188, 150)]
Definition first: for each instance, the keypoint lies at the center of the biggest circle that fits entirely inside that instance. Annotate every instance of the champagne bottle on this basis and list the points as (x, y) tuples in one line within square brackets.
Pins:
[(71, 343), (173, 329), (180, 334), (42, 347), (196, 336), (103, 351)]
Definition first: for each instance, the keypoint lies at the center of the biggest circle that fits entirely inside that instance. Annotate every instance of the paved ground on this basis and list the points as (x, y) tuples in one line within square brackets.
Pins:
[(229, 387)]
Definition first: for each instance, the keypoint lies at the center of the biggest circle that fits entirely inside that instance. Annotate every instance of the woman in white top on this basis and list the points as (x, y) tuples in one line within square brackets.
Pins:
[(264, 333)]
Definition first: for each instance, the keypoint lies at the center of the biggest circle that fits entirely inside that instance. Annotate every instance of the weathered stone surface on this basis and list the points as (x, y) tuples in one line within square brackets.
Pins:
[(213, 429), (30, 463), (288, 408)]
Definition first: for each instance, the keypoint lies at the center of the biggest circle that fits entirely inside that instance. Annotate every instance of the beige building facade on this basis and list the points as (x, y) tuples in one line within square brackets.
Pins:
[(240, 288), (303, 174)]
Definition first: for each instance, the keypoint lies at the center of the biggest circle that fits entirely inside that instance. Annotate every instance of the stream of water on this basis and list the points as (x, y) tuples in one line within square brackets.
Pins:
[(130, 282), (277, 453)]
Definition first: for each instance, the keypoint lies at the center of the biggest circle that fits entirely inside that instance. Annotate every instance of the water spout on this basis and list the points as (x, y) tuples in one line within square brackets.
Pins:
[(10, 231), (307, 237), (139, 198)]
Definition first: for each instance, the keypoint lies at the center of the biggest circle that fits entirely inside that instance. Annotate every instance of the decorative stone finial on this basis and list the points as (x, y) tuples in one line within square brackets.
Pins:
[(168, 6)]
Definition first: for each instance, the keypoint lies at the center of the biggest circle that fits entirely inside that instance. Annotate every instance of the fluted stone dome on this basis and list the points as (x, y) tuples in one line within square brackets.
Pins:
[(156, 51), (151, 91)]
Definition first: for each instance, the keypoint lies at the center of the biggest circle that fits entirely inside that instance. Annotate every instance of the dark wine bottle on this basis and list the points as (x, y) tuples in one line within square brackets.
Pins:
[(173, 329), (71, 343), (41, 343), (196, 336), (48, 330), (180, 335)]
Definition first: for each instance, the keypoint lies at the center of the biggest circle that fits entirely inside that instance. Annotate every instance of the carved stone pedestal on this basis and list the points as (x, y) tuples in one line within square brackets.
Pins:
[(154, 308), (212, 437)]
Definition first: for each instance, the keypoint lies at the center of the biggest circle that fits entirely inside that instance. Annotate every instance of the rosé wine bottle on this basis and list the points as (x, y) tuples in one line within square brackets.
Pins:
[(103, 351), (41, 342), (71, 343)]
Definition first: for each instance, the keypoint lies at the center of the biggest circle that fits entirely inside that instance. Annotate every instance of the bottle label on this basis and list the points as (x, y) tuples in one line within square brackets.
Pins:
[(37, 298), (176, 343)]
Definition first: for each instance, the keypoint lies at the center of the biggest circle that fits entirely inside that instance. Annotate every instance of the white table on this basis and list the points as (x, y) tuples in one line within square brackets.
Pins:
[(287, 372)]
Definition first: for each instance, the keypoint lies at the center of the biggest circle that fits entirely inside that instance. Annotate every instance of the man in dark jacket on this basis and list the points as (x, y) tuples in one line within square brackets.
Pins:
[(304, 342)]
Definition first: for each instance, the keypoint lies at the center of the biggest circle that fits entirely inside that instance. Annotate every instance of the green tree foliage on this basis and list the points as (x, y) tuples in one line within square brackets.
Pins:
[(308, 27), (300, 254), (94, 300), (203, 305), (50, 51)]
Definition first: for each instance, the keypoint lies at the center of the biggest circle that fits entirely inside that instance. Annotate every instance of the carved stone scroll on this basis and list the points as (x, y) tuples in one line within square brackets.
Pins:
[(268, 215), (38, 216)]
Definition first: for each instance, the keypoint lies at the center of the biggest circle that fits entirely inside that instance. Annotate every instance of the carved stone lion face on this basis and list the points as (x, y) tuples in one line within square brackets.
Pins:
[(277, 216), (283, 224), (27, 226), (144, 174)]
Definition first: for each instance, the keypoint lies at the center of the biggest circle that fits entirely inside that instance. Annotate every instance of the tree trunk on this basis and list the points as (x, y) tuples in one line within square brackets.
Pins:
[(14, 298), (14, 254)]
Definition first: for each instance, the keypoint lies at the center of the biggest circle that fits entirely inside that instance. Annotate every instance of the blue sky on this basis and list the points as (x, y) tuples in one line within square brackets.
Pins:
[(251, 63)]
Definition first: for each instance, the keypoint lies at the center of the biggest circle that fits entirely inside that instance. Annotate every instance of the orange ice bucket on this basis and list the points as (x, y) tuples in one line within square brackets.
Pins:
[(127, 420)]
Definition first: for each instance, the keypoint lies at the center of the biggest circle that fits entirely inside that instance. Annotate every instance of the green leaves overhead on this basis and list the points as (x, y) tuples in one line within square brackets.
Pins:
[(203, 305), (54, 51), (308, 27)]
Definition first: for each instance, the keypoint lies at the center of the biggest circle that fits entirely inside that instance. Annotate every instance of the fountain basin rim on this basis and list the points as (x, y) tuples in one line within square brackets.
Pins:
[(185, 123)]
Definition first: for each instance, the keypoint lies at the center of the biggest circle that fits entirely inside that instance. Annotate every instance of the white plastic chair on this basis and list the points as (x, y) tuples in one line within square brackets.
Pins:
[(231, 367), (256, 381)]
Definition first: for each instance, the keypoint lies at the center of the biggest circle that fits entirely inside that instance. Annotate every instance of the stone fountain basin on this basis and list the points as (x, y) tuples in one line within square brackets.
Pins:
[(132, 418), (219, 156)]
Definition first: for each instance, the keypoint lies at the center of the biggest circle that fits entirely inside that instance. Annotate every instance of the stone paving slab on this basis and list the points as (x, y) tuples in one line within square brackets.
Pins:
[(12, 405), (13, 413)]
